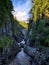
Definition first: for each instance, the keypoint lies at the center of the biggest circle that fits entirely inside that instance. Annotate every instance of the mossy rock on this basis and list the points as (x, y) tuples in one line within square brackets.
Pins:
[(6, 41)]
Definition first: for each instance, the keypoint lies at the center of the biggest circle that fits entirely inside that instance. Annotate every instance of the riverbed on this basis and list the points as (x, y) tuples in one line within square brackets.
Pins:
[(21, 59)]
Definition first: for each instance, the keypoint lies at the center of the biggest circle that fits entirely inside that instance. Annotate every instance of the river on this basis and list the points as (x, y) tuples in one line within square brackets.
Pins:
[(21, 59)]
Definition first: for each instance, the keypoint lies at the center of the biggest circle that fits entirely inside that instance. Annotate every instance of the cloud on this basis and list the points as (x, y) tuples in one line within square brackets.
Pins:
[(21, 11), (21, 16)]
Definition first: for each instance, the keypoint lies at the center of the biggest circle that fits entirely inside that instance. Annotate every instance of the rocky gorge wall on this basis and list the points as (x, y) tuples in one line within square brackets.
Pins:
[(10, 40)]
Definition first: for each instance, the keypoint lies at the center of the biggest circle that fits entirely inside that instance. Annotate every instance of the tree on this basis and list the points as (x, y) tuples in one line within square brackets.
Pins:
[(40, 8), (40, 30), (5, 9)]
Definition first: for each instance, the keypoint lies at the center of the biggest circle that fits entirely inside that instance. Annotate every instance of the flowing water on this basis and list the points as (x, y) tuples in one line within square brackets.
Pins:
[(21, 59)]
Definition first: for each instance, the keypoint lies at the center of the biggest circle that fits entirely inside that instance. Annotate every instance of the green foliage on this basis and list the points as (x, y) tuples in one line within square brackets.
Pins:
[(17, 27), (5, 41), (5, 13), (47, 40), (1, 43), (23, 24), (40, 31), (40, 34), (5, 8), (39, 8)]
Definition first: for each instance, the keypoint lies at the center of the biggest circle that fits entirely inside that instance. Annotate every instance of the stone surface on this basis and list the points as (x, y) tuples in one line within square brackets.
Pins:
[(6, 30), (8, 55), (11, 53), (39, 57)]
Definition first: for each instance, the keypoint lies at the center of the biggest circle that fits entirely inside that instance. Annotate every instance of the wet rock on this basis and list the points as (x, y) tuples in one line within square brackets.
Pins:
[(7, 30), (22, 43), (2, 56), (18, 38), (33, 63), (11, 53), (38, 57), (8, 55), (29, 51)]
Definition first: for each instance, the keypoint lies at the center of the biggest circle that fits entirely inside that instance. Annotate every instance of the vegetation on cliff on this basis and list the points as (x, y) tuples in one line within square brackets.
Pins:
[(40, 31), (5, 9), (8, 25), (24, 24), (40, 14), (40, 8)]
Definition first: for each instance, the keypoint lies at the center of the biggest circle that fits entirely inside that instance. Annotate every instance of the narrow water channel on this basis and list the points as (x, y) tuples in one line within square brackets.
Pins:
[(21, 59)]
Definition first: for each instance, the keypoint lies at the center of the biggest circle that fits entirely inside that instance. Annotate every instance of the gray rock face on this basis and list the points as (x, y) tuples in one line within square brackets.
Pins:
[(2, 56), (8, 55), (30, 51), (24, 31), (38, 57), (6, 28)]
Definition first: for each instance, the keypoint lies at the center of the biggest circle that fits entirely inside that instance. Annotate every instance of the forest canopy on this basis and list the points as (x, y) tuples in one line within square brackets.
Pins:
[(39, 9)]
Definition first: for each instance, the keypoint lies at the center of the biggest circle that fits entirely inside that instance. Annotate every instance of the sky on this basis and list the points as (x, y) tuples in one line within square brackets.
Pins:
[(21, 9)]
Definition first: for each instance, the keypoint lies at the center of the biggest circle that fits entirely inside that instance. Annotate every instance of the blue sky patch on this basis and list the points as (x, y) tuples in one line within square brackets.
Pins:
[(22, 8)]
